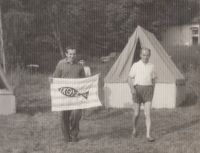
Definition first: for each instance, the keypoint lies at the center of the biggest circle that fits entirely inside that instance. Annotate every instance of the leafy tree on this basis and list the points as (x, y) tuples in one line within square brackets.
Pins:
[(123, 16), (15, 23), (94, 27), (181, 11)]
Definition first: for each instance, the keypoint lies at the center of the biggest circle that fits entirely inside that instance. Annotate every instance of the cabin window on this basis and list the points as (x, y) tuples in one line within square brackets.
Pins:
[(195, 35), (195, 32), (195, 40)]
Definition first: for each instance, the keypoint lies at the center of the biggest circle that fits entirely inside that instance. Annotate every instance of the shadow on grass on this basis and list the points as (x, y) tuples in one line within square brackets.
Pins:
[(32, 110), (124, 132), (102, 113), (190, 99), (186, 125)]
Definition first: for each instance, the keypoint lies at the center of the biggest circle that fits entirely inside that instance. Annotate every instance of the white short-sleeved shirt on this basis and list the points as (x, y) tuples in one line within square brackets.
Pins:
[(142, 73), (87, 71)]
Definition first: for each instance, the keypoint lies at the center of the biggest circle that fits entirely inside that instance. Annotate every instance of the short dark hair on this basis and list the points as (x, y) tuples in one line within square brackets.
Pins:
[(68, 48), (144, 48)]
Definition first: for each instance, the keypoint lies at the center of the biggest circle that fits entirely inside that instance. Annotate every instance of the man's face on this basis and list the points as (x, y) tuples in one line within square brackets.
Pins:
[(71, 55), (145, 55)]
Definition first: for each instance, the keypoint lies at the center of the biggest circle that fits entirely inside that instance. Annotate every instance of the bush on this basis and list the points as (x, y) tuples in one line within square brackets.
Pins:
[(185, 58)]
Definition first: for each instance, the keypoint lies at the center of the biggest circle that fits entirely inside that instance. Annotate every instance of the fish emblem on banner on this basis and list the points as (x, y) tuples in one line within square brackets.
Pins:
[(71, 92)]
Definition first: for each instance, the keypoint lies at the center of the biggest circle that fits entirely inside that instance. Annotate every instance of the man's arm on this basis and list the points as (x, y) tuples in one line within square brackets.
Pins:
[(130, 83), (56, 74), (131, 77), (154, 76), (153, 83)]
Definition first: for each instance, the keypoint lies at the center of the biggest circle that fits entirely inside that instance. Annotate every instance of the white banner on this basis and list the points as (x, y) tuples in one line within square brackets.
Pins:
[(71, 94)]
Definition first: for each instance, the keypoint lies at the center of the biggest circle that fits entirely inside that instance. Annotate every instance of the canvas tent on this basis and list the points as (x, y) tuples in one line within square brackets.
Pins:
[(7, 99), (170, 84)]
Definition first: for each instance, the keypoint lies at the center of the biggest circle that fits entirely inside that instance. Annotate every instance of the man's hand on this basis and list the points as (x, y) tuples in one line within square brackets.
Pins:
[(50, 80), (133, 91), (130, 83)]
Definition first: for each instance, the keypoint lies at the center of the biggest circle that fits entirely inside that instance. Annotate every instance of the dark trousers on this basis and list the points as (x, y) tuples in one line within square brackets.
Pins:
[(70, 123)]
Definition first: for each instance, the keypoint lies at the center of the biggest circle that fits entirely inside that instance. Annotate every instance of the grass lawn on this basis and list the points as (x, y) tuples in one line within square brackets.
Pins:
[(35, 129), (176, 131)]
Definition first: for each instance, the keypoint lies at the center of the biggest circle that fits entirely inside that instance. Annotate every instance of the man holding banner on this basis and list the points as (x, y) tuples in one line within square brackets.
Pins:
[(71, 92)]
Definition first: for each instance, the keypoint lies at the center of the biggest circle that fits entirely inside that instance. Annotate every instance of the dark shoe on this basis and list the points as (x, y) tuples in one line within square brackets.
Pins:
[(73, 139), (150, 139), (67, 140)]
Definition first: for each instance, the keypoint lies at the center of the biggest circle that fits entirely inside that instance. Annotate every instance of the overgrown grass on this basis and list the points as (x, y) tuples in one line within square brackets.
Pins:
[(32, 91), (107, 131)]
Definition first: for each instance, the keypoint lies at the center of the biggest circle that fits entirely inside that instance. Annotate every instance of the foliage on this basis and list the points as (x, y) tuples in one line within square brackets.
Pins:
[(187, 59), (91, 26), (182, 11), (15, 27)]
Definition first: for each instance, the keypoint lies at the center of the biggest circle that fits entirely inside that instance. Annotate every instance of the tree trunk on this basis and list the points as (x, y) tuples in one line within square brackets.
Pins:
[(2, 52), (58, 42), (60, 48), (56, 33)]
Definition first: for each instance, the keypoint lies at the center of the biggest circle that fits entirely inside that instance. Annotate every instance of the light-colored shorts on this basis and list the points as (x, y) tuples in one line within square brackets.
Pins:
[(143, 94)]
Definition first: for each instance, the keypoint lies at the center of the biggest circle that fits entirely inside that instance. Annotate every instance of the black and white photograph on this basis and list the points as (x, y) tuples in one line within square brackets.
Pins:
[(99, 76)]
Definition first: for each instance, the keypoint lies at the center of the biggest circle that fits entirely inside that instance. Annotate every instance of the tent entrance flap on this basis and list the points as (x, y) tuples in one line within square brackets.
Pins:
[(2, 85), (136, 57), (3, 81)]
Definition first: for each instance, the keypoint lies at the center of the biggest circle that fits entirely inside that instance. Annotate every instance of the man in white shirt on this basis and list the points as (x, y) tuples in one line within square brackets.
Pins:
[(141, 80)]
